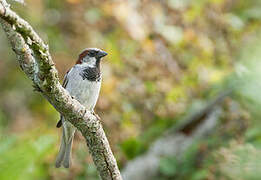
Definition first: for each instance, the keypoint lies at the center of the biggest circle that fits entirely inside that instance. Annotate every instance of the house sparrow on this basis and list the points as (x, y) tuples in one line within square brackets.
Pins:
[(83, 82)]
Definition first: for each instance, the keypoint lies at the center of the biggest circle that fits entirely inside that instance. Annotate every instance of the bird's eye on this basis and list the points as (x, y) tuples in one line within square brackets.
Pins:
[(92, 53)]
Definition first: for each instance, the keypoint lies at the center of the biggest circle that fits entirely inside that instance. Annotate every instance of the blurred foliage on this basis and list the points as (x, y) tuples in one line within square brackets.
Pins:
[(23, 158), (232, 151), (164, 58), (240, 160)]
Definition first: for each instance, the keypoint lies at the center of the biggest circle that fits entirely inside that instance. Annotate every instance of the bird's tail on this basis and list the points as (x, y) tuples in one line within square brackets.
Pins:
[(64, 155)]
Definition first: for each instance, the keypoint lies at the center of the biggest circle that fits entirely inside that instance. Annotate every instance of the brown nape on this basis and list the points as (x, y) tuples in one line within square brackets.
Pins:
[(81, 56)]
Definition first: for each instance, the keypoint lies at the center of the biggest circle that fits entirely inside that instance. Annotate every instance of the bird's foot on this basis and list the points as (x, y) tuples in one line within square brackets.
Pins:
[(96, 115), (37, 88)]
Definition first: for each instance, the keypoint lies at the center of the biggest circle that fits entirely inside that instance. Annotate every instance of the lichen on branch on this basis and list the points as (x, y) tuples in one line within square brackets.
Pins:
[(35, 60)]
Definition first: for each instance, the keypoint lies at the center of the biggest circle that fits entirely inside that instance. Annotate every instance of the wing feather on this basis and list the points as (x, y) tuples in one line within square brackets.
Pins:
[(65, 82)]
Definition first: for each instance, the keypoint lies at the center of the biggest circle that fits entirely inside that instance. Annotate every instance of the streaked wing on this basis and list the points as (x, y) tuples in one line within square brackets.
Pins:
[(65, 82)]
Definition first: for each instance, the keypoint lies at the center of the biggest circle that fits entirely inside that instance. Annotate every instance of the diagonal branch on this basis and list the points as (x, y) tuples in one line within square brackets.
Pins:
[(35, 60)]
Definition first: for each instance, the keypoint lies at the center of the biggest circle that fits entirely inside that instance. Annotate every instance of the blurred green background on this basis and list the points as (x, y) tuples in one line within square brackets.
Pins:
[(166, 57)]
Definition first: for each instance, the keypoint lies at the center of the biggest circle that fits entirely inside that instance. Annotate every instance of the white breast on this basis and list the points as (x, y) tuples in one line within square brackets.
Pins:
[(85, 91)]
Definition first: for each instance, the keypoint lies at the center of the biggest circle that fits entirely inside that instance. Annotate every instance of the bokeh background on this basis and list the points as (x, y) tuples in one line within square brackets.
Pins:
[(167, 59)]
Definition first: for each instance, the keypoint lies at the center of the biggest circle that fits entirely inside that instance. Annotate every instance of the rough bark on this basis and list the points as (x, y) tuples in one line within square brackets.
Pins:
[(35, 60)]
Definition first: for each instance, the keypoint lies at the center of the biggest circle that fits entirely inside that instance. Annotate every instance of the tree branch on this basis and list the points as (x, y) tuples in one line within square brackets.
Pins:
[(35, 60)]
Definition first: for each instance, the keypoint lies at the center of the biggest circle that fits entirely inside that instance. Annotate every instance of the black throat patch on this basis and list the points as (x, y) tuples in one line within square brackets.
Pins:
[(91, 74)]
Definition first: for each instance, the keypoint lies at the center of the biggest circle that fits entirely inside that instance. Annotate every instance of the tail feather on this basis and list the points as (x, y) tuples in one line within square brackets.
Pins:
[(61, 153), (64, 155), (67, 154)]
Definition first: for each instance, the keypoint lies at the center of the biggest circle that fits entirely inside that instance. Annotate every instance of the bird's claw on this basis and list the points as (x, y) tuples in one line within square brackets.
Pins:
[(37, 88), (96, 115)]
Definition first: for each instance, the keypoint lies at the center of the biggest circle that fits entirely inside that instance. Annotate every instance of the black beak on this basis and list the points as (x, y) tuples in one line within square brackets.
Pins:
[(101, 54)]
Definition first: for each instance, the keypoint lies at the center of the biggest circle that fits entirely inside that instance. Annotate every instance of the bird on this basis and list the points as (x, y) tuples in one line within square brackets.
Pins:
[(83, 82)]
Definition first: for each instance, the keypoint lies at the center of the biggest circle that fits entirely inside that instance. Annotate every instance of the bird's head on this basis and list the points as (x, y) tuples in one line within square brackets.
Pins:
[(91, 57)]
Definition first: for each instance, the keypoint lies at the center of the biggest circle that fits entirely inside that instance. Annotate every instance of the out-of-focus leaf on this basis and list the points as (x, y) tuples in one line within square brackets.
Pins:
[(131, 147), (168, 166), (150, 86)]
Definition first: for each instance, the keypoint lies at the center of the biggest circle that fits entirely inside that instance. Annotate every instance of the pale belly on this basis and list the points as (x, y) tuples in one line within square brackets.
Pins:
[(85, 91)]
